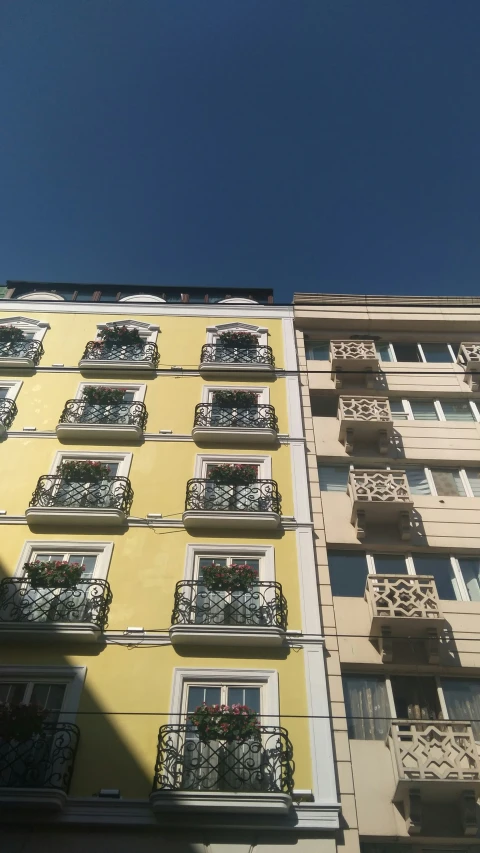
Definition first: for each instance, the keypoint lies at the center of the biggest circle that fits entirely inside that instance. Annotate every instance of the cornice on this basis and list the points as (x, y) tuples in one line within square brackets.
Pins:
[(156, 309)]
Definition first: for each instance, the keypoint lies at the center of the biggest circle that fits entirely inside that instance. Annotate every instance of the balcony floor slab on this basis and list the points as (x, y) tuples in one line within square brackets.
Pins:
[(245, 369), (226, 635), (102, 432), (45, 799), (115, 366), (39, 516), (236, 435), (195, 518), (31, 632), (213, 801)]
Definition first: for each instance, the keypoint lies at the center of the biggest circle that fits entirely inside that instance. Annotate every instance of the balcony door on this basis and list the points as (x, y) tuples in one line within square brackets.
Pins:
[(228, 497), (27, 764), (233, 416), (99, 413), (81, 493), (223, 607), (217, 765), (47, 604)]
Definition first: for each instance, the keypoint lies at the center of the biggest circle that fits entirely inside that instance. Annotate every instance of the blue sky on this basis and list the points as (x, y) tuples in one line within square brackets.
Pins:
[(322, 145)]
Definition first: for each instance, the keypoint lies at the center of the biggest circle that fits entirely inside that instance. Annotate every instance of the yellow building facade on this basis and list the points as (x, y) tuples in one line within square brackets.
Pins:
[(121, 657)]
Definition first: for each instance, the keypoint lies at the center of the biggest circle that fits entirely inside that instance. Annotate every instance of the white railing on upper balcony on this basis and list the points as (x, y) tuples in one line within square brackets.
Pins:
[(364, 409), (436, 750), (403, 597), (469, 352), (355, 350), (371, 486)]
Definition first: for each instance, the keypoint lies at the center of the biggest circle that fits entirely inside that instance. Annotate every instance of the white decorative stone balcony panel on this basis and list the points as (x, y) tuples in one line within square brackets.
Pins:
[(469, 356), (365, 418), (358, 359), (380, 497)]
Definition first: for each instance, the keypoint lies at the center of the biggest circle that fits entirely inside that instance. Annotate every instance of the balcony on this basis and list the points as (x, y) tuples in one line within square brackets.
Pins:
[(254, 775), (8, 411), (20, 354), (380, 497), (405, 606), (113, 422), (354, 362), (247, 360), (33, 613), (108, 356), (253, 617), (469, 356), (59, 502), (367, 419), (224, 505), (36, 773), (223, 424), (436, 762)]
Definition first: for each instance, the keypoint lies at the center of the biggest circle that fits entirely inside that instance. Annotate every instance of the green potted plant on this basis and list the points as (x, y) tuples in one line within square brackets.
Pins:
[(233, 474), (235, 399), (58, 573), (239, 577), (84, 471), (10, 334), (20, 722), (99, 395), (119, 336), (238, 339), (225, 722)]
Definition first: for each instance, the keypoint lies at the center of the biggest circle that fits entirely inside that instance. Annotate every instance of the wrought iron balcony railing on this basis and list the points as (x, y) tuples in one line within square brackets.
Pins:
[(221, 354), (43, 761), (81, 412), (260, 496), (263, 764), (31, 350), (8, 410), (54, 491), (254, 417), (263, 605), (100, 351), (86, 602)]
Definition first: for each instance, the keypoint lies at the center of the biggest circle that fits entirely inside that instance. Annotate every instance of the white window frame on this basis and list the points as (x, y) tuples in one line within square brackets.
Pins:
[(455, 570), (423, 359), (438, 408), (264, 553), (72, 676), (266, 679), (101, 550), (213, 332), (147, 332), (124, 460), (202, 461), (262, 392), (13, 387), (139, 389), (37, 327)]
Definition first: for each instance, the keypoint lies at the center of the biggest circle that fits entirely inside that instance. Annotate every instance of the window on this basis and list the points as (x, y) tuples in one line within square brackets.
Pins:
[(436, 353), (348, 573), (448, 482), (324, 406), (462, 699), (417, 481), (47, 695), (317, 350), (398, 410), (229, 607), (435, 410), (424, 410), (333, 478)]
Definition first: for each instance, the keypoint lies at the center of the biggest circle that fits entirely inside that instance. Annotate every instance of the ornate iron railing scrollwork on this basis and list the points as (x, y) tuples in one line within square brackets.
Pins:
[(81, 412), (262, 605), (259, 496), (112, 493), (257, 417), (33, 350), (263, 764), (43, 761), (85, 602), (8, 411), (222, 354), (99, 351)]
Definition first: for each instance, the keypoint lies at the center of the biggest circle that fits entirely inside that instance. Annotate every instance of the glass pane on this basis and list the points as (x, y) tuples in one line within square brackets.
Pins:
[(255, 564), (207, 561), (440, 567), (457, 410), (383, 351), (470, 569), (87, 561), (317, 350), (333, 478), (128, 396), (244, 696), (406, 352), (14, 693), (424, 410), (213, 695), (448, 483), (390, 564), (417, 481), (348, 573), (473, 475), (323, 406), (367, 708), (436, 353), (398, 410), (3, 393), (462, 699), (48, 695), (197, 695)]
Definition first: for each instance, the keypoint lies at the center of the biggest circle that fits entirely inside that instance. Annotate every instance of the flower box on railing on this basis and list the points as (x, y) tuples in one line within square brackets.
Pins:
[(225, 722), (53, 574), (79, 471), (120, 336), (233, 473), (103, 395), (11, 334), (238, 576)]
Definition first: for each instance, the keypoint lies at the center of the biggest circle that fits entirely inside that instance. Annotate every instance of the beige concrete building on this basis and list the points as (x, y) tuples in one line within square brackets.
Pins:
[(392, 414)]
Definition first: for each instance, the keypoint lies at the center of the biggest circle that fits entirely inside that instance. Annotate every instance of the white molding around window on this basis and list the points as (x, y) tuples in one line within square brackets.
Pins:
[(36, 328), (213, 332), (139, 389), (202, 460), (13, 387), (147, 332), (124, 460), (264, 553), (267, 679), (262, 392), (72, 676), (102, 550)]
